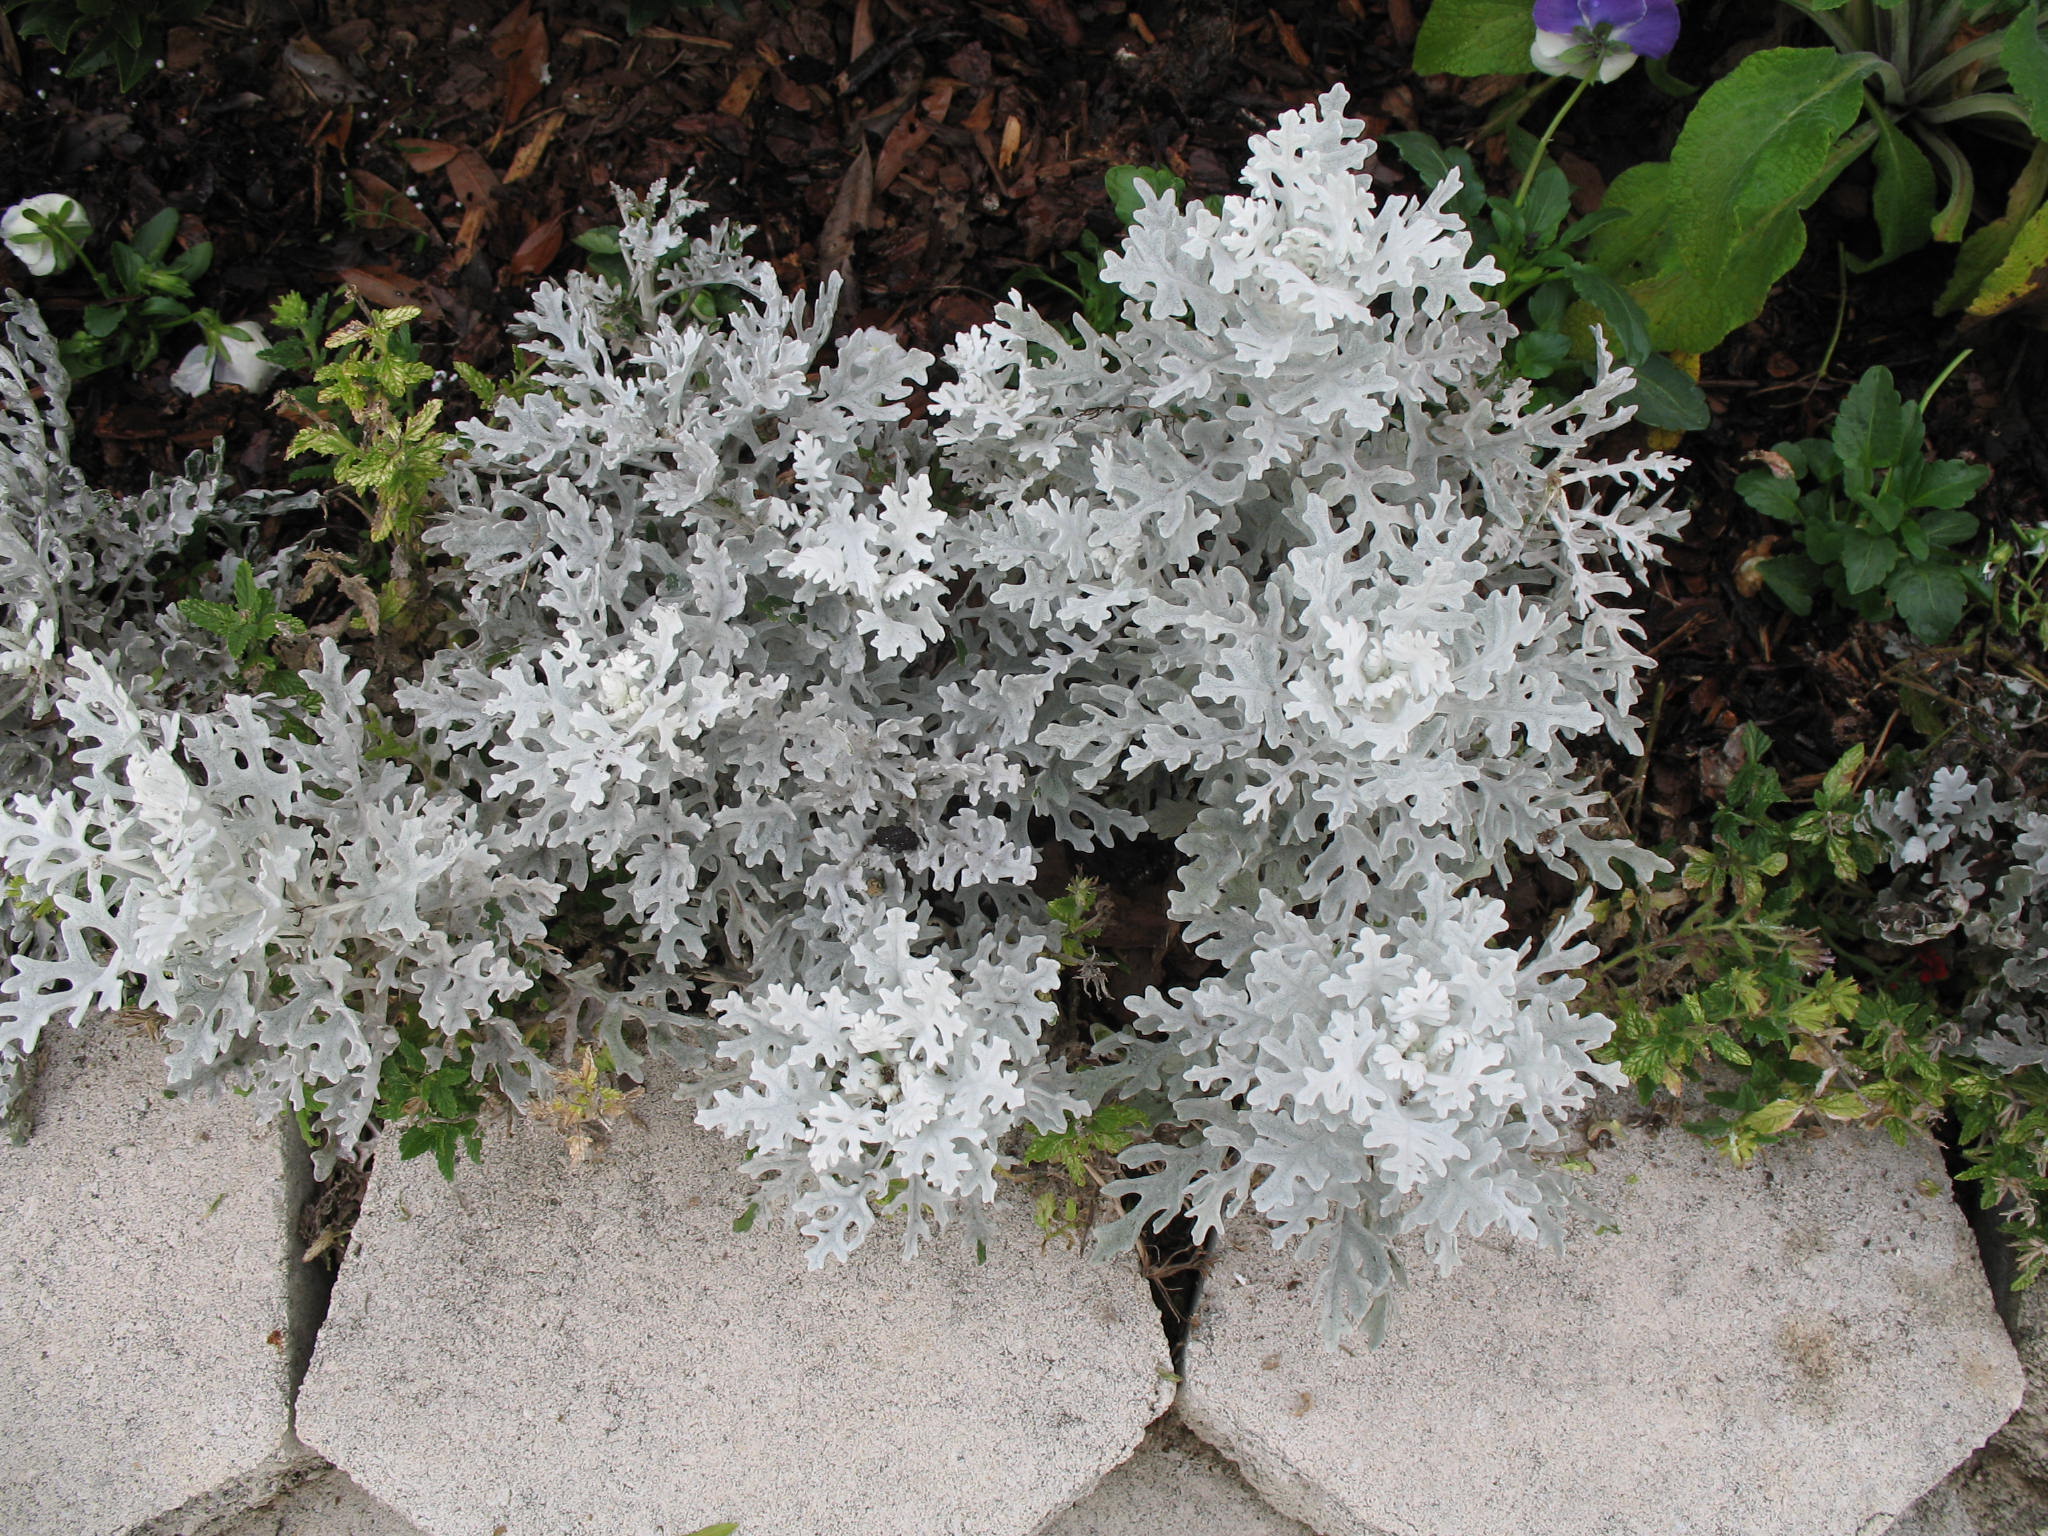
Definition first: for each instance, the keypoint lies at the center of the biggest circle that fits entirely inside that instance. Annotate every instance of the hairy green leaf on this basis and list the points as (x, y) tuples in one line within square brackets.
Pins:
[(1475, 37), (1710, 231)]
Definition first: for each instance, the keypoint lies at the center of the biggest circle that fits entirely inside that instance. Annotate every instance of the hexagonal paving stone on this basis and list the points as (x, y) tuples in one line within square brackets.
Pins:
[(538, 1349), (1802, 1349), (149, 1301)]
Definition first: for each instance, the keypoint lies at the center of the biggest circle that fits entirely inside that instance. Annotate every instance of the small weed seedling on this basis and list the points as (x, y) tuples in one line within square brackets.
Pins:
[(1879, 523), (1747, 977), (359, 413), (249, 627), (1081, 1152), (430, 1088)]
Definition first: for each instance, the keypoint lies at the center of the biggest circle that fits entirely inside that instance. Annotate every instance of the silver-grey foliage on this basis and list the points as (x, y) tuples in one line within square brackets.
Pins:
[(1287, 570), (1964, 859)]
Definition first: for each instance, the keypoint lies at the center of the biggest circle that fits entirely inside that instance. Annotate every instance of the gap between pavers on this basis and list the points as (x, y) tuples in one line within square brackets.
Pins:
[(553, 1349), (153, 1315), (1803, 1349)]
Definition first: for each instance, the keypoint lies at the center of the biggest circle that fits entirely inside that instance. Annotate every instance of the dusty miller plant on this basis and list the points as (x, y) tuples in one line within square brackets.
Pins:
[(1288, 569), (81, 575), (798, 680), (1965, 860)]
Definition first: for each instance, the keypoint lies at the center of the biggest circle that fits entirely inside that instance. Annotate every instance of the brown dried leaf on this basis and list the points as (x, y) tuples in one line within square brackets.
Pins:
[(1776, 463), (467, 234), (521, 40), (1057, 17), (905, 139), (1749, 574), (789, 93), (863, 30), (1290, 40), (426, 154), (385, 207), (527, 160), (389, 288), (325, 77), (536, 252), (694, 39), (474, 182), (1013, 140), (740, 94), (849, 213)]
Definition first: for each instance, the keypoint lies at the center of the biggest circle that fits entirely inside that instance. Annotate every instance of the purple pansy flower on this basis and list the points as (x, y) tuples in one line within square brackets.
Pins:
[(1582, 37)]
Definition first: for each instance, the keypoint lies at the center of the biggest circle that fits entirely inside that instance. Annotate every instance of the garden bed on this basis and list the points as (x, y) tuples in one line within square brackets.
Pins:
[(456, 163)]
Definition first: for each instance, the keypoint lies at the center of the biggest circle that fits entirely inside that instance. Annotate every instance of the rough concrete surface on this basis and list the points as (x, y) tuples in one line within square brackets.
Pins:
[(538, 1349), (1941, 1512), (1175, 1486), (325, 1504), (1801, 1349), (147, 1297)]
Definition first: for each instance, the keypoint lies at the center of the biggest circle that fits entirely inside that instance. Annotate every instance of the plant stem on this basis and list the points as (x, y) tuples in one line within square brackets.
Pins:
[(1941, 378), (1841, 314), (1542, 144), (54, 228)]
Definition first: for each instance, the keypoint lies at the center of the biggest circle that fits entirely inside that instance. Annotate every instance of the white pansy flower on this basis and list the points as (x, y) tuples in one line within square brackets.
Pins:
[(227, 360), (24, 228)]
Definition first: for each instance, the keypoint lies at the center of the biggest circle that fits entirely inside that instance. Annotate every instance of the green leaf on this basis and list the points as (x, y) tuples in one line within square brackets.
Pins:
[(1475, 37), (1875, 428), (1432, 162), (1945, 525), (2025, 60), (1930, 599), (745, 1220), (154, 238), (1867, 558), (1944, 483), (1976, 259), (127, 267), (1774, 1117), (1627, 330), (1794, 579), (215, 618), (103, 319), (1549, 200), (1839, 782), (1712, 229), (725, 1528), (1770, 494), (1902, 202), (2017, 274), (1123, 183), (1666, 396), (1538, 354)]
